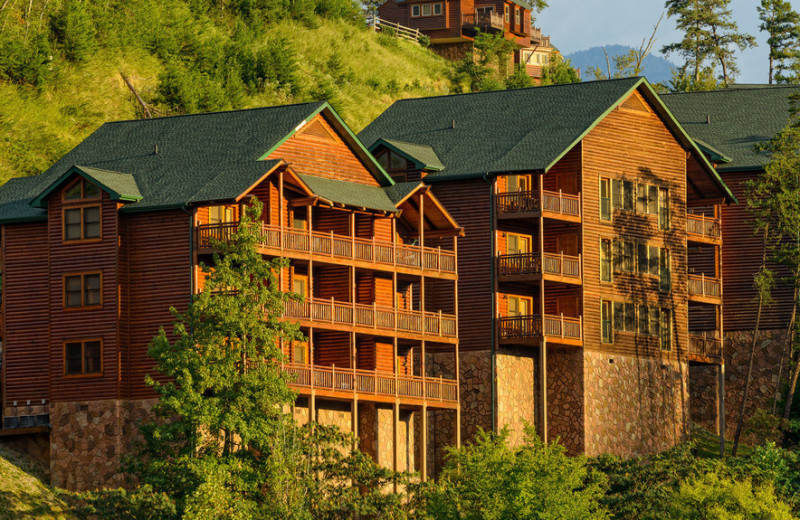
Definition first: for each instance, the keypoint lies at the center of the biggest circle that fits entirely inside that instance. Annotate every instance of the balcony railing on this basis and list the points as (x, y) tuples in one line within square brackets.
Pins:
[(705, 344), (362, 383), (702, 285), (702, 226), (530, 326), (531, 263), (373, 316), (337, 246), (483, 20), (528, 201)]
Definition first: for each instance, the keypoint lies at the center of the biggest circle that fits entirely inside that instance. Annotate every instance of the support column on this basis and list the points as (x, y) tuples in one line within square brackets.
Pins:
[(396, 434), (423, 452), (543, 347), (721, 404)]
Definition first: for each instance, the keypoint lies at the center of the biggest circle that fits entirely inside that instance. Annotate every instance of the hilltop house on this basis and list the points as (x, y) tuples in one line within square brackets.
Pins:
[(580, 306), (727, 124), (96, 250)]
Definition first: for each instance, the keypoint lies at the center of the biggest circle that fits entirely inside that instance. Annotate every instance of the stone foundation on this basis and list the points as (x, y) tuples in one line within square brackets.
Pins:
[(88, 441), (516, 391), (452, 51), (704, 397), (565, 398), (476, 392), (634, 405)]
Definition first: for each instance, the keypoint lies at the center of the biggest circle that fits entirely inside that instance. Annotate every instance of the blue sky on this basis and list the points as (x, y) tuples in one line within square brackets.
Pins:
[(576, 25)]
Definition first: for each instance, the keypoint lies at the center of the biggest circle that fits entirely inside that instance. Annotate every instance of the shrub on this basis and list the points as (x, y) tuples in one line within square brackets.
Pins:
[(424, 40), (74, 31), (26, 61), (141, 504), (388, 37), (186, 90), (520, 79)]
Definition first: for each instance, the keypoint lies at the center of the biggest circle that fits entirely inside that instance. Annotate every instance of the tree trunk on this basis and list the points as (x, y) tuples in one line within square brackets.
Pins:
[(770, 68), (796, 372), (743, 407)]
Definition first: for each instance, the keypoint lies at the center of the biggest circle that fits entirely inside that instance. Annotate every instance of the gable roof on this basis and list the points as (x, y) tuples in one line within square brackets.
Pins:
[(350, 193), (169, 162), (422, 155), (733, 121), (528, 129)]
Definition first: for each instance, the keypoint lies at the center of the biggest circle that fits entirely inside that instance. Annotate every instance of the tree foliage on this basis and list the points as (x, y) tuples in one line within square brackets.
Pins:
[(782, 25)]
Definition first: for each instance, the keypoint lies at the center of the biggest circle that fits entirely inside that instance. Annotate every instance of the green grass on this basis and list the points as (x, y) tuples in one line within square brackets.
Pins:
[(22, 494)]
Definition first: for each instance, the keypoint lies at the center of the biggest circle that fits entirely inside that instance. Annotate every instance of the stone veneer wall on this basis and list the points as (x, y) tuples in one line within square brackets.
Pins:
[(516, 391), (634, 405), (703, 396), (565, 398), (770, 348), (452, 51), (476, 392), (89, 439)]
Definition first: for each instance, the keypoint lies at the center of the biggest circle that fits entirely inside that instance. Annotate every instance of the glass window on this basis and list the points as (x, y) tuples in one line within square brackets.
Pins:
[(426, 9), (641, 198), (665, 278), (663, 209), (606, 324), (91, 222), (643, 319), (605, 199), (299, 218), (300, 352), (91, 284), (518, 17), (518, 244), (627, 189), (72, 224), (619, 316), (300, 285), (628, 252), (90, 190), (73, 192), (519, 306), (82, 223), (507, 15), (665, 328), (605, 261), (414, 12), (630, 317), (517, 183), (396, 162), (91, 357), (72, 291), (654, 259), (82, 189), (437, 9), (654, 320), (83, 357), (82, 290), (652, 200), (73, 358), (616, 193)]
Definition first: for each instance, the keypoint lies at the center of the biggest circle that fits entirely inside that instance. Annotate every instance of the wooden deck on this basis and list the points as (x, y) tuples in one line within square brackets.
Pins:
[(527, 330), (706, 230), (705, 347), (366, 385), (704, 289), (532, 266), (374, 319), (529, 204), (293, 243)]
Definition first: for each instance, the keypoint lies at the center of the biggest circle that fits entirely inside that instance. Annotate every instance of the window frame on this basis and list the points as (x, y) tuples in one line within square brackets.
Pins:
[(304, 278), (418, 9), (83, 196), (610, 209), (83, 373), (507, 13), (430, 10), (521, 298), (607, 312), (439, 5), (82, 208), (608, 259), (521, 238), (82, 306), (663, 210)]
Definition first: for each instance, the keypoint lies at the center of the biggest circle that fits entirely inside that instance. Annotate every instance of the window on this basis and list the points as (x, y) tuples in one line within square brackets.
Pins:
[(605, 199), (605, 260), (81, 190), (220, 214), (619, 316), (518, 183), (606, 325), (652, 200), (426, 9), (653, 260), (82, 223), (83, 357), (627, 195), (517, 244), (437, 9), (300, 285), (519, 306), (663, 209), (300, 218), (507, 14), (654, 320), (665, 278), (643, 319), (628, 251), (641, 198), (415, 10), (665, 329), (300, 352), (517, 17), (630, 317), (82, 290)]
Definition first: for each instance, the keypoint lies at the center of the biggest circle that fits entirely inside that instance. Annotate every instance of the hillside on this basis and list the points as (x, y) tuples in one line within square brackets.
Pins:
[(656, 68), (22, 493), (57, 86)]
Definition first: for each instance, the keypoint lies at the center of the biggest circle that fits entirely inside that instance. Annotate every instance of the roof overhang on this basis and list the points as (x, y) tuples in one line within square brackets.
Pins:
[(119, 186)]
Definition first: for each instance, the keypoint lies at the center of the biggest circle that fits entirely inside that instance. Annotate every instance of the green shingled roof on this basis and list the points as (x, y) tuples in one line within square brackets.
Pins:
[(350, 193), (493, 132), (422, 155), (173, 161), (401, 190), (733, 121)]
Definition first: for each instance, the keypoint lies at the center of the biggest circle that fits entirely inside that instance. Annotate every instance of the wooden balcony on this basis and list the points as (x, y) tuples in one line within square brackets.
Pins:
[(374, 319), (294, 243), (527, 330), (486, 22), (705, 289), (526, 204), (705, 347), (529, 266), (369, 385), (707, 230)]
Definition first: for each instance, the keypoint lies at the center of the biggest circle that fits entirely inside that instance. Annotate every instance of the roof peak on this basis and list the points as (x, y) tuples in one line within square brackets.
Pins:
[(729, 90), (216, 112)]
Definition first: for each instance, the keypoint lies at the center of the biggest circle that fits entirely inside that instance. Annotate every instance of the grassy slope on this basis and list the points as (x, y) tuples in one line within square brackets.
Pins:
[(38, 127), (22, 494)]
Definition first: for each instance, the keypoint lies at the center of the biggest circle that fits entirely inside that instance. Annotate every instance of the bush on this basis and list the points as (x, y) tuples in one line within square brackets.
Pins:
[(26, 61), (388, 37), (424, 40), (142, 504), (74, 31), (489, 479), (186, 90), (519, 79)]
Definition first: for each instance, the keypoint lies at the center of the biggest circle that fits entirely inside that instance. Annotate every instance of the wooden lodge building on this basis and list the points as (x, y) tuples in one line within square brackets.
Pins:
[(589, 275), (96, 250), (727, 124)]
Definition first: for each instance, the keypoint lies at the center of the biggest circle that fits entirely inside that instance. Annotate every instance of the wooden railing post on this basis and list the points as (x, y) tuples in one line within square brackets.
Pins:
[(440, 322), (561, 264), (374, 315), (703, 283), (562, 324)]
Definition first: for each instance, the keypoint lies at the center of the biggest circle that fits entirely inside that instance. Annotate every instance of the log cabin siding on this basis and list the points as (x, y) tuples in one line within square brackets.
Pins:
[(67, 325), (638, 147), (475, 261), (323, 154), (331, 282), (741, 258), (26, 350), (331, 348), (159, 266)]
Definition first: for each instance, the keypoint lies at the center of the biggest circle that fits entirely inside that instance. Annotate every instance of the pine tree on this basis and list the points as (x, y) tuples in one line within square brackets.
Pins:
[(695, 45), (782, 24), (726, 38)]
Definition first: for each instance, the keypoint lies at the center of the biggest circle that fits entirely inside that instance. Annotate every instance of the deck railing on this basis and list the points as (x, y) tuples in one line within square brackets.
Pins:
[(558, 202), (706, 344), (532, 263), (371, 382), (528, 201), (373, 316), (702, 285), (530, 326), (485, 20), (337, 246), (702, 226)]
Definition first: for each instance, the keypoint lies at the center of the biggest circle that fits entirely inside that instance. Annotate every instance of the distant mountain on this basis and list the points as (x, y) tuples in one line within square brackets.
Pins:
[(656, 68)]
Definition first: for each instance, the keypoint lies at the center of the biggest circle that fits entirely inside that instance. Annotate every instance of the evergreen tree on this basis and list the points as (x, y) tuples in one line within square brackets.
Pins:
[(694, 47), (559, 71), (782, 25)]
